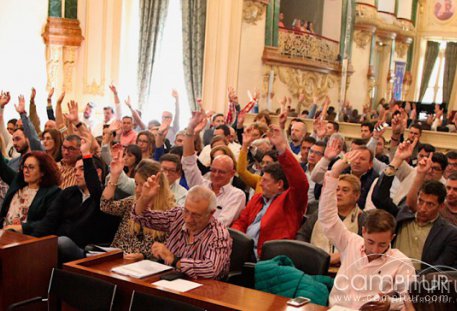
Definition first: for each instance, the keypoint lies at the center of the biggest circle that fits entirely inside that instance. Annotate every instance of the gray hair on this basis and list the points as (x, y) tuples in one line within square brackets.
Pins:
[(338, 137), (198, 193), (260, 141)]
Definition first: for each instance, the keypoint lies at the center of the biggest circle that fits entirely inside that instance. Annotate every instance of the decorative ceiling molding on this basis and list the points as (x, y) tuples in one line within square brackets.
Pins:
[(253, 11), (401, 48)]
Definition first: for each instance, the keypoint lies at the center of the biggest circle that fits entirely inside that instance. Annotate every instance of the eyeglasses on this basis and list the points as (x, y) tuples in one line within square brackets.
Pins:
[(217, 171), (168, 170), (311, 151), (28, 167), (71, 149)]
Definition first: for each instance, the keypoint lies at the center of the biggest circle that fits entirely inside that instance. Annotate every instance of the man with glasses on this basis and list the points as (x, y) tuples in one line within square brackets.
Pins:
[(315, 153), (422, 234), (70, 154), (198, 244), (170, 166), (230, 200)]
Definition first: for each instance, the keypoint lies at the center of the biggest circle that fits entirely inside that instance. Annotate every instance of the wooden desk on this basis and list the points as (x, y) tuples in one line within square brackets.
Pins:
[(26, 263), (213, 295)]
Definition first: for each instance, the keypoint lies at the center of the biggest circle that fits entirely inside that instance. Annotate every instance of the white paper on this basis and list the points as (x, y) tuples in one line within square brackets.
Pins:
[(141, 268), (179, 285), (108, 249)]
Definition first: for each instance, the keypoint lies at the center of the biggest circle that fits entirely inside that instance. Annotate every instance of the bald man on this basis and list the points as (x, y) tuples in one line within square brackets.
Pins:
[(230, 200)]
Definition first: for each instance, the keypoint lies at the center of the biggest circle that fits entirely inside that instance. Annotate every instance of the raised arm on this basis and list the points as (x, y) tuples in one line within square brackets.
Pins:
[(29, 129), (33, 113), (49, 109), (116, 168), (246, 176), (175, 125), (4, 100), (332, 225), (189, 159), (117, 102), (423, 167), (136, 117), (60, 122), (93, 182)]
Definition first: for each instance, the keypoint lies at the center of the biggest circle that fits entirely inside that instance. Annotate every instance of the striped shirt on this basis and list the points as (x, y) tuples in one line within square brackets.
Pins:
[(67, 174), (207, 257)]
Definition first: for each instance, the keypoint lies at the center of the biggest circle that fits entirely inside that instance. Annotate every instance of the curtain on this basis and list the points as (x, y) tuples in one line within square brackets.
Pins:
[(193, 24), (152, 19), (431, 54), (450, 64)]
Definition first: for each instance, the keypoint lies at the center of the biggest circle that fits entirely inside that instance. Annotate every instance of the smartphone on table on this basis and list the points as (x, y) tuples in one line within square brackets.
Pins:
[(298, 301)]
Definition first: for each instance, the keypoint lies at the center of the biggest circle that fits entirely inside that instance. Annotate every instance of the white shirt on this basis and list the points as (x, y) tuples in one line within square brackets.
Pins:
[(179, 192)]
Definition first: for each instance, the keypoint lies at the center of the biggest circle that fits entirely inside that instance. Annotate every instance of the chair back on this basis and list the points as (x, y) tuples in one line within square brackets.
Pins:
[(146, 302), (242, 250), (305, 256), (80, 291)]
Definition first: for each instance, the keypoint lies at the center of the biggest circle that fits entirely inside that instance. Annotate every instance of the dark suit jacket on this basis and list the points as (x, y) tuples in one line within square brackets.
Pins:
[(440, 247), (43, 199)]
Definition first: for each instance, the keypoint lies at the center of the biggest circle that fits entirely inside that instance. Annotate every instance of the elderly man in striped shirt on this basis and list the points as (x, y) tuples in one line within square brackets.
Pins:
[(198, 244)]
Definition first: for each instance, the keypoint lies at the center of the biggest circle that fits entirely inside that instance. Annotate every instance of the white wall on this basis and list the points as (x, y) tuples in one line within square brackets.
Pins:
[(331, 19), (22, 50), (387, 5), (405, 9)]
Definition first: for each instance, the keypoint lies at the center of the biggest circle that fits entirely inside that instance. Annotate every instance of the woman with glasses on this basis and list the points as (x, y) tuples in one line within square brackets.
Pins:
[(31, 191), (131, 237), (52, 143)]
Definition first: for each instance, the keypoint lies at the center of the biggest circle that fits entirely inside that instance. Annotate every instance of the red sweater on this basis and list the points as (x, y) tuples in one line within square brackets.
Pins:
[(285, 214)]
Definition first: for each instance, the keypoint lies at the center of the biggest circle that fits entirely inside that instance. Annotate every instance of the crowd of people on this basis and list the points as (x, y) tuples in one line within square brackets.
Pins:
[(157, 191)]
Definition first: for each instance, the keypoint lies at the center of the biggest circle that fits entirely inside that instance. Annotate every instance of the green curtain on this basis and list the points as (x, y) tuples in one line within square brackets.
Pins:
[(152, 19), (431, 54), (193, 27), (450, 64)]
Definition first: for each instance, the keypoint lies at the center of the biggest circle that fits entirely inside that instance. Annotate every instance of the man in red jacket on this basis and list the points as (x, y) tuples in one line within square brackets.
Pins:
[(277, 212)]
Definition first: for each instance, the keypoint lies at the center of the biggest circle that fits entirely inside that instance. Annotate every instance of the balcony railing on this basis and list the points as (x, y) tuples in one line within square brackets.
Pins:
[(306, 45)]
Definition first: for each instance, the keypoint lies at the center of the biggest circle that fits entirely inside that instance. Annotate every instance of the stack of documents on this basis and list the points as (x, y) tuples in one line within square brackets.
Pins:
[(141, 269)]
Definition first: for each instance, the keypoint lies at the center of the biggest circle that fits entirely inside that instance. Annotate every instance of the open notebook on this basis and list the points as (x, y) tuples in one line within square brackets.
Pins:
[(141, 269)]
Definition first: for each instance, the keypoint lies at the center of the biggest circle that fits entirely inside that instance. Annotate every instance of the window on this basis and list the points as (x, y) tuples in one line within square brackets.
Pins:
[(168, 71), (434, 91)]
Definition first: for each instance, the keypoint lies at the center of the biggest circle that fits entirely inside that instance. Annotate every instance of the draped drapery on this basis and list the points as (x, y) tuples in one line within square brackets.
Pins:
[(193, 24), (431, 54), (450, 64), (152, 19)]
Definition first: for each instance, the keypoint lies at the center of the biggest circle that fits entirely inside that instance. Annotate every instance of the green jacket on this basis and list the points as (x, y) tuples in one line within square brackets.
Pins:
[(280, 277)]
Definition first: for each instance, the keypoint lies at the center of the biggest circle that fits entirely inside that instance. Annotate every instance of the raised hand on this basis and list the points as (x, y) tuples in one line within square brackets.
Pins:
[(197, 118), (128, 102), (113, 89), (232, 96), (117, 163), (20, 107), (115, 126), (397, 125), (165, 126), (175, 94), (277, 138), (283, 118), (72, 114), (333, 149), (345, 162), (151, 187), (86, 143), (241, 117), (5, 98), (61, 97), (301, 98), (33, 94), (405, 149), (377, 134), (256, 94), (51, 92), (248, 138), (424, 165)]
